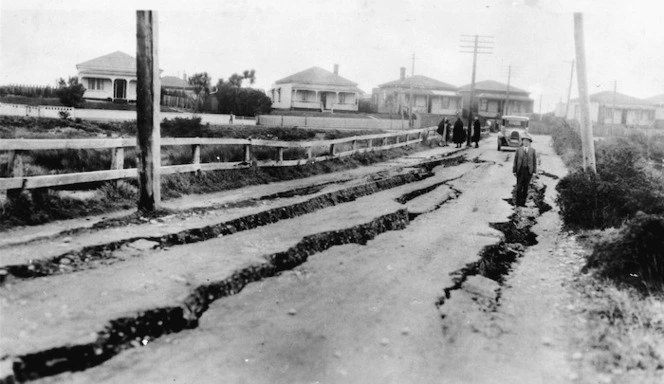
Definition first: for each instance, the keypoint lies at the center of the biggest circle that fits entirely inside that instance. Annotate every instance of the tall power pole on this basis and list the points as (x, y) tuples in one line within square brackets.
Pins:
[(510, 73), (148, 89), (540, 107), (474, 44), (569, 90), (587, 142), (410, 99), (613, 109)]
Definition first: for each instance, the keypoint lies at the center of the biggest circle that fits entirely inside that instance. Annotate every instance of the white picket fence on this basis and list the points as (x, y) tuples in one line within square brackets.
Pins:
[(47, 111)]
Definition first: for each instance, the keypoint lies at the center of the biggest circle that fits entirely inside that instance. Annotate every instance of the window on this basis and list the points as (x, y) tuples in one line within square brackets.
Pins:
[(483, 105), (446, 102), (342, 98), (96, 84), (279, 95)]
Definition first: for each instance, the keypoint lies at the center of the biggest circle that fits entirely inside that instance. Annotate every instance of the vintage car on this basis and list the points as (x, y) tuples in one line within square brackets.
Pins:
[(512, 128)]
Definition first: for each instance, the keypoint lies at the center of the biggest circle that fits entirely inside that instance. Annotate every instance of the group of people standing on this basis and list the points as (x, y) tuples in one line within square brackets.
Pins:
[(525, 159), (459, 132)]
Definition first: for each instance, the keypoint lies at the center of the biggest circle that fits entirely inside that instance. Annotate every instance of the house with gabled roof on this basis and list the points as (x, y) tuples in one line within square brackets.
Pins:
[(428, 96), (608, 107), (494, 99), (315, 89), (109, 77)]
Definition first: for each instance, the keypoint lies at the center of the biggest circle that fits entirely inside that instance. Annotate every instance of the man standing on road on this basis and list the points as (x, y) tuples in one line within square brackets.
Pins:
[(525, 165), (476, 131)]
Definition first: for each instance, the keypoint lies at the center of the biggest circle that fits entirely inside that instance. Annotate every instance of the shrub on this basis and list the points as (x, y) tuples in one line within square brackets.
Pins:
[(635, 255), (622, 186), (567, 143), (182, 127), (70, 92)]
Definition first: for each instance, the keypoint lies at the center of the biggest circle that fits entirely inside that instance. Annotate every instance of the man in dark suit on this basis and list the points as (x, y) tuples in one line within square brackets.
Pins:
[(525, 165)]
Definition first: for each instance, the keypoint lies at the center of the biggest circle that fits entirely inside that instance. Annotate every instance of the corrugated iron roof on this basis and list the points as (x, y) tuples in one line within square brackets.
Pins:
[(492, 86), (118, 61), (419, 81), (607, 98), (174, 82), (317, 76)]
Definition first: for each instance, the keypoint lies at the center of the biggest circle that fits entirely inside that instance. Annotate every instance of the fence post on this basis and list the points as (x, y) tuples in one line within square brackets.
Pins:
[(247, 152), (280, 154), (332, 150), (370, 144), (15, 168), (196, 157), (117, 158), (310, 153), (384, 142), (354, 145)]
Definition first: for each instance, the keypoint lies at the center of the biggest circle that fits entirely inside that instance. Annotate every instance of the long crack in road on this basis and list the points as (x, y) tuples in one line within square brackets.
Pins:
[(350, 285)]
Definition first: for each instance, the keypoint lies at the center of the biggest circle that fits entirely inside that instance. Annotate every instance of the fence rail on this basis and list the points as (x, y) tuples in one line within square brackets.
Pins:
[(330, 149)]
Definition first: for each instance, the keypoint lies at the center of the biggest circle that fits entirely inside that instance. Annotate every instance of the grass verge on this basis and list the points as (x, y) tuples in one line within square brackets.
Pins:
[(623, 333)]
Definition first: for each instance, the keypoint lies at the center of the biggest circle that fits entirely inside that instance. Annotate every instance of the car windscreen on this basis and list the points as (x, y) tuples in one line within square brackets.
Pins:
[(516, 123)]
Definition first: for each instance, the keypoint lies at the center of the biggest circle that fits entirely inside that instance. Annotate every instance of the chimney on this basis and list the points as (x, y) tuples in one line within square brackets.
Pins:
[(336, 69), (403, 73)]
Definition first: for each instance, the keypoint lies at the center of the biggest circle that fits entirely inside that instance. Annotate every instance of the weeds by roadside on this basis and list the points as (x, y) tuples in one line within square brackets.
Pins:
[(624, 338)]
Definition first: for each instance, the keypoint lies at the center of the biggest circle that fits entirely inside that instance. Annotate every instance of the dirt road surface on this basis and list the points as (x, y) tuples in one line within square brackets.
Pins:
[(390, 274)]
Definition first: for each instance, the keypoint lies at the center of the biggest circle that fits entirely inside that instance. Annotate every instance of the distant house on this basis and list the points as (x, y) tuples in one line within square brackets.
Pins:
[(609, 108), (428, 96), (315, 89), (109, 77), (176, 84), (658, 102), (493, 99)]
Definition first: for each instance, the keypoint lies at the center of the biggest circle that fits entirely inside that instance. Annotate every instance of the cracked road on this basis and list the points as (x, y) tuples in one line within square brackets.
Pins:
[(340, 284)]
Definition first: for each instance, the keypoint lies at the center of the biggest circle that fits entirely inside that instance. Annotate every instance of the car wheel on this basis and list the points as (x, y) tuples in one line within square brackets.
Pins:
[(499, 146)]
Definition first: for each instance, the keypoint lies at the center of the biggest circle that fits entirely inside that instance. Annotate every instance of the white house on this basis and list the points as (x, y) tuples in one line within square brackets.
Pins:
[(315, 89), (109, 77), (608, 107)]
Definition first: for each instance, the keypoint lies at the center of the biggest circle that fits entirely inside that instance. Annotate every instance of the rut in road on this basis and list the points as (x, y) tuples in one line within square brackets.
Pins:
[(496, 260), (82, 259), (134, 331)]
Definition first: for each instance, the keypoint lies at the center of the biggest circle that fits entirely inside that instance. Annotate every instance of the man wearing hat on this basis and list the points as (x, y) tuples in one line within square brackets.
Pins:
[(525, 165)]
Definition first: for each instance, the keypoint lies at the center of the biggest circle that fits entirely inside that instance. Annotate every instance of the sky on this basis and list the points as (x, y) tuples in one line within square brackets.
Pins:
[(41, 41)]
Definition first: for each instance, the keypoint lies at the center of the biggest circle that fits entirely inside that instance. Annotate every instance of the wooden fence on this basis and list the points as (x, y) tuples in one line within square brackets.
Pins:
[(330, 148)]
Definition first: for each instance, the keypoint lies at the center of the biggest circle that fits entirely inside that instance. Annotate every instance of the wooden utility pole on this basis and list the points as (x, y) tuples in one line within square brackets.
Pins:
[(148, 89), (587, 142), (569, 90), (410, 99), (507, 92), (540, 107), (480, 45), (613, 109)]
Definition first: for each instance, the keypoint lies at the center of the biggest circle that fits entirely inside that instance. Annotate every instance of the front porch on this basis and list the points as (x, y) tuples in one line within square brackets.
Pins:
[(324, 100), (103, 87)]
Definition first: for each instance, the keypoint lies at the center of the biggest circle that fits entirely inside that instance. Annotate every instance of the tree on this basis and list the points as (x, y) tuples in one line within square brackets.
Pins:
[(240, 101), (70, 92), (201, 83)]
